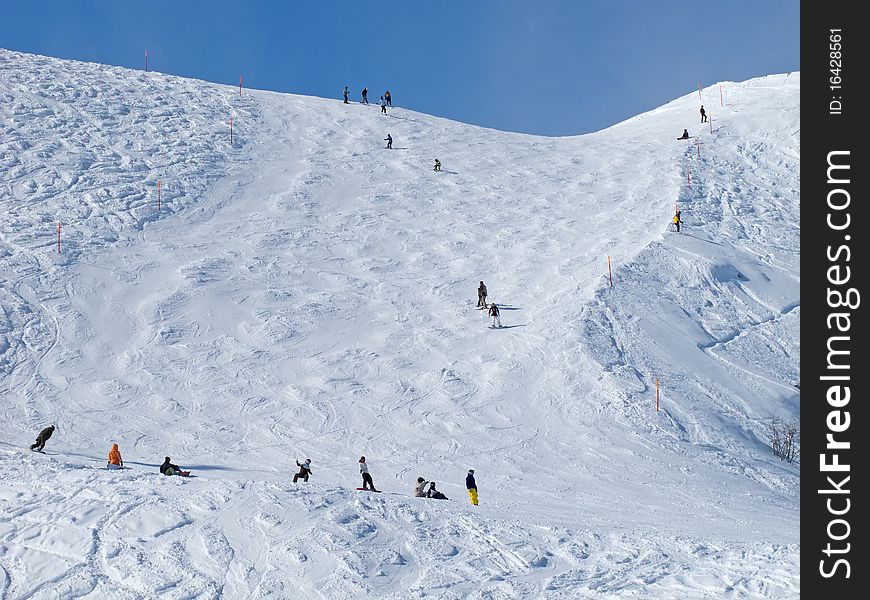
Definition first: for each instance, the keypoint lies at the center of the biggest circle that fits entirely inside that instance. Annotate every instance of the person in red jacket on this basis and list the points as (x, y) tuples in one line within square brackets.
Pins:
[(115, 460)]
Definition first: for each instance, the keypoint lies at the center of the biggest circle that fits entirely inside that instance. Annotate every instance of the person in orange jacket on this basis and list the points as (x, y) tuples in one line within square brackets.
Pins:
[(115, 460)]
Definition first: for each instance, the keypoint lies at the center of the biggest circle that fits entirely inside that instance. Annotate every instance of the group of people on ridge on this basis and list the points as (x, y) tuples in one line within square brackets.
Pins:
[(386, 99)]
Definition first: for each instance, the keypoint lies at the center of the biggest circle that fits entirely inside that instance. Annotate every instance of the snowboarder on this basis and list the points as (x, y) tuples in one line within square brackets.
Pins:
[(703, 114), (433, 493), (493, 312), (481, 295), (115, 460), (685, 135), (167, 468), (304, 471), (42, 438), (389, 141), (345, 95), (388, 98), (437, 165), (471, 485), (420, 488), (677, 221), (368, 484), (365, 95), (383, 105)]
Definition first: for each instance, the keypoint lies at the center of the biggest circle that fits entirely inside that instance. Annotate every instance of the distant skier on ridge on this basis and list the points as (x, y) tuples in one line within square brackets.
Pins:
[(365, 95), (388, 98), (383, 105), (345, 95)]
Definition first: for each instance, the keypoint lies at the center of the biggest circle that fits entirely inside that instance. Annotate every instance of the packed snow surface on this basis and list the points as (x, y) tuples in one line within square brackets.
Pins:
[(303, 292)]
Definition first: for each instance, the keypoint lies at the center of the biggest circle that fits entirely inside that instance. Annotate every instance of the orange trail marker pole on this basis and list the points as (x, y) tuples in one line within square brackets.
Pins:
[(657, 395), (58, 237), (609, 272)]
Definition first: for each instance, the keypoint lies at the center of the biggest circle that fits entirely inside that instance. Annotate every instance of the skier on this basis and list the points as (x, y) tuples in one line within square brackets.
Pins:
[(420, 488), (42, 438), (437, 165), (493, 312), (167, 468), (433, 493), (368, 484), (481, 295), (304, 471), (677, 221), (345, 95), (365, 95), (389, 141), (685, 135), (388, 98), (471, 485), (703, 114), (383, 105), (115, 460)]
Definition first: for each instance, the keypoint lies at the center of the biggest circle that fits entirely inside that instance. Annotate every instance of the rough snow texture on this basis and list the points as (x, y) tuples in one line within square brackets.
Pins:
[(306, 293)]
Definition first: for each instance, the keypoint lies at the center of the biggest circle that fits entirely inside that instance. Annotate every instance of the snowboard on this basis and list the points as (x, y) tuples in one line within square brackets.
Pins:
[(365, 490), (35, 450)]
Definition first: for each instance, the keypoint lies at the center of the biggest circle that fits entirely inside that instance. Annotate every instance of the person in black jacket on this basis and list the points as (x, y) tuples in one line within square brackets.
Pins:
[(493, 312), (685, 135), (433, 493), (42, 438), (304, 471), (167, 468), (703, 114), (365, 95), (345, 94), (471, 485), (389, 141), (481, 295)]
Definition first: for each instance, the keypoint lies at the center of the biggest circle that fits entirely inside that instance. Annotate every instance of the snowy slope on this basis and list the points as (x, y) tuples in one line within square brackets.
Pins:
[(305, 293)]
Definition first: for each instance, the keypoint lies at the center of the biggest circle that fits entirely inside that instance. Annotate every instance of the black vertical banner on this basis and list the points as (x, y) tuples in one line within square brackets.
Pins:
[(835, 235)]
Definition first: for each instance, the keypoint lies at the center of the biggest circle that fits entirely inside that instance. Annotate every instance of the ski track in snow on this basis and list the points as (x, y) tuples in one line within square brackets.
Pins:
[(307, 293)]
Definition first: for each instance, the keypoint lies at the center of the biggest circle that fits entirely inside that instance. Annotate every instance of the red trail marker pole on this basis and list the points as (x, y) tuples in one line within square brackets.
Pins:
[(657, 394), (158, 195), (698, 144), (721, 99), (146, 61), (240, 85), (609, 272), (699, 90), (58, 237), (231, 131), (689, 175)]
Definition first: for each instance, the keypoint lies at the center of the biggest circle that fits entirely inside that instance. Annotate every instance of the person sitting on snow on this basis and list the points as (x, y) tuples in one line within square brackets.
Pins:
[(115, 460), (433, 493)]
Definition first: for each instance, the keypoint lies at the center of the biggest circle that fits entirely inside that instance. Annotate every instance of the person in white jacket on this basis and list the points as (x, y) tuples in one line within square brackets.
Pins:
[(420, 488), (368, 484)]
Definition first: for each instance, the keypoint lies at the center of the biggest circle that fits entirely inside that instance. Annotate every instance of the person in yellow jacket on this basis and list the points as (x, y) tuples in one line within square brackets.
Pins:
[(677, 221), (115, 460)]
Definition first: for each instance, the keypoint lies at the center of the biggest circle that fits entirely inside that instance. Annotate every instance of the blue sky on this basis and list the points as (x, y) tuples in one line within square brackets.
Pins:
[(545, 67)]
